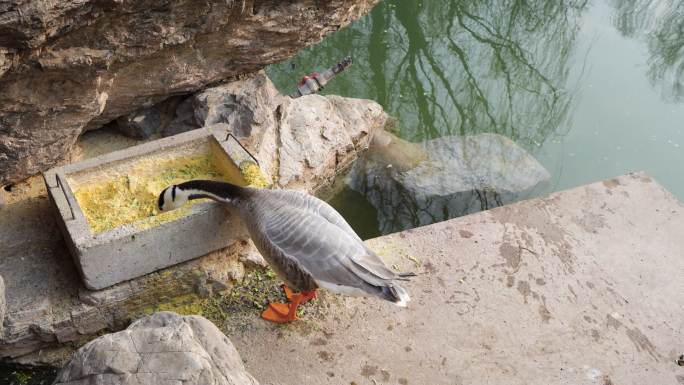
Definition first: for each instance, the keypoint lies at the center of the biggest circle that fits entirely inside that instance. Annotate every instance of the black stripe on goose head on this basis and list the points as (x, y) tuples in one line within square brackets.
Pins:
[(160, 201), (213, 190)]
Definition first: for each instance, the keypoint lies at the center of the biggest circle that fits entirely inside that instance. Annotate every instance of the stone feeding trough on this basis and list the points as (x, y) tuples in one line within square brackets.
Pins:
[(107, 206)]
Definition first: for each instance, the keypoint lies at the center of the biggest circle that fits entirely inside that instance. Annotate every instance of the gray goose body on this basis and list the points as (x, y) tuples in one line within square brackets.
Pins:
[(305, 241)]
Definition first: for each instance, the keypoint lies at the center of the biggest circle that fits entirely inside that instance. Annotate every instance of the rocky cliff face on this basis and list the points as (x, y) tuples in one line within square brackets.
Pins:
[(70, 66)]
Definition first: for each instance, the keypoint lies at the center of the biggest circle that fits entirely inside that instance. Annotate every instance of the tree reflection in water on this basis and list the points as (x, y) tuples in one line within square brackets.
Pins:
[(457, 67), (661, 22)]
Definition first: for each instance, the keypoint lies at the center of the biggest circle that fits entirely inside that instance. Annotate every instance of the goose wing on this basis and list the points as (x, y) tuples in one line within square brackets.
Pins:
[(316, 206), (323, 250)]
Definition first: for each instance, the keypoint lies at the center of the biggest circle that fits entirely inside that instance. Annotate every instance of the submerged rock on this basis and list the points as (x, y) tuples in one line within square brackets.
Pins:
[(413, 184), (164, 348), (71, 66)]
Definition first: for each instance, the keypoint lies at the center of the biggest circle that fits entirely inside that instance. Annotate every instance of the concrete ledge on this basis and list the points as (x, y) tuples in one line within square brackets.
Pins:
[(582, 287)]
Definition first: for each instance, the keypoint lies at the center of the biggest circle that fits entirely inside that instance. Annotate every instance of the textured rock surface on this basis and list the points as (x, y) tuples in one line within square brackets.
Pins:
[(3, 305), (310, 131), (243, 104), (247, 108), (299, 142), (146, 122), (66, 67), (164, 348), (417, 184), (47, 304)]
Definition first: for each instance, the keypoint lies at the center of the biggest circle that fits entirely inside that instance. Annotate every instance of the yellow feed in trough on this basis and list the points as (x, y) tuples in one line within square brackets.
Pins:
[(253, 175), (132, 198)]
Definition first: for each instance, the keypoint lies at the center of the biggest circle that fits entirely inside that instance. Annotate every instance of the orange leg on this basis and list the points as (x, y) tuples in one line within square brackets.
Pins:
[(282, 313), (308, 295)]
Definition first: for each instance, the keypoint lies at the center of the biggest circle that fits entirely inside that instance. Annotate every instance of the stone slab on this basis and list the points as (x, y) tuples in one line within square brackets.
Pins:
[(580, 287)]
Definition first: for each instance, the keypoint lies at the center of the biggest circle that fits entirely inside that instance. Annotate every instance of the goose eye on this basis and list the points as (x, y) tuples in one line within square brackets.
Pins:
[(160, 202)]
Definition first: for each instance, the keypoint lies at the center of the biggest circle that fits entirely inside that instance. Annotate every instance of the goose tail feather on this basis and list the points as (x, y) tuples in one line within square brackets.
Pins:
[(397, 294)]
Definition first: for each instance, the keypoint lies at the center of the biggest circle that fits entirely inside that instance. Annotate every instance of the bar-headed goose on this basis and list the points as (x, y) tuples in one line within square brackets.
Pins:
[(306, 242)]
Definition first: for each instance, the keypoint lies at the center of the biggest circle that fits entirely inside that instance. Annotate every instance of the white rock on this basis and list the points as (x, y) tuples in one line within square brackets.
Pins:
[(164, 348)]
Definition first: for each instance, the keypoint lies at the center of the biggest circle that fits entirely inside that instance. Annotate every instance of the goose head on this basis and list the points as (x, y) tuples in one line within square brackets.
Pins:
[(176, 196), (172, 198)]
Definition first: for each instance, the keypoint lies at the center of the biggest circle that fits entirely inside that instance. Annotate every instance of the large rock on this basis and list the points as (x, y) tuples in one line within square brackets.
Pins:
[(319, 136), (414, 184), (242, 104), (246, 108), (164, 348), (300, 142), (69, 66), (140, 124)]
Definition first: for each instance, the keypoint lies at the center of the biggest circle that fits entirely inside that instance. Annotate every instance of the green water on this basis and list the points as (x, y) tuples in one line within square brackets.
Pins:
[(593, 89)]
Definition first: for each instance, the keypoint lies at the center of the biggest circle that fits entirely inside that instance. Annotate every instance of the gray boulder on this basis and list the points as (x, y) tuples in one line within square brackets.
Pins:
[(299, 141), (415, 184), (148, 121), (319, 136), (247, 105), (164, 348)]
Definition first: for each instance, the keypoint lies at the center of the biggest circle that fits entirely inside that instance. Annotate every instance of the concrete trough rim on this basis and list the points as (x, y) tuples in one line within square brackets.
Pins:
[(78, 234), (57, 177)]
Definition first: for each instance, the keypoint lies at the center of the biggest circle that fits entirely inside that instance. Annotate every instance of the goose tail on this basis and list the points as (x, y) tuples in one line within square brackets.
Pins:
[(397, 294)]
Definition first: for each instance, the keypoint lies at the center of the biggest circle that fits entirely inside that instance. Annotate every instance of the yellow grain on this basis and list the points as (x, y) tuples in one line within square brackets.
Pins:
[(132, 198)]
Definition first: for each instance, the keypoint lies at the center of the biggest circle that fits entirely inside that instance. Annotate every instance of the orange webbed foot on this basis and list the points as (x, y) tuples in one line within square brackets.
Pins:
[(306, 296), (279, 313), (282, 313)]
